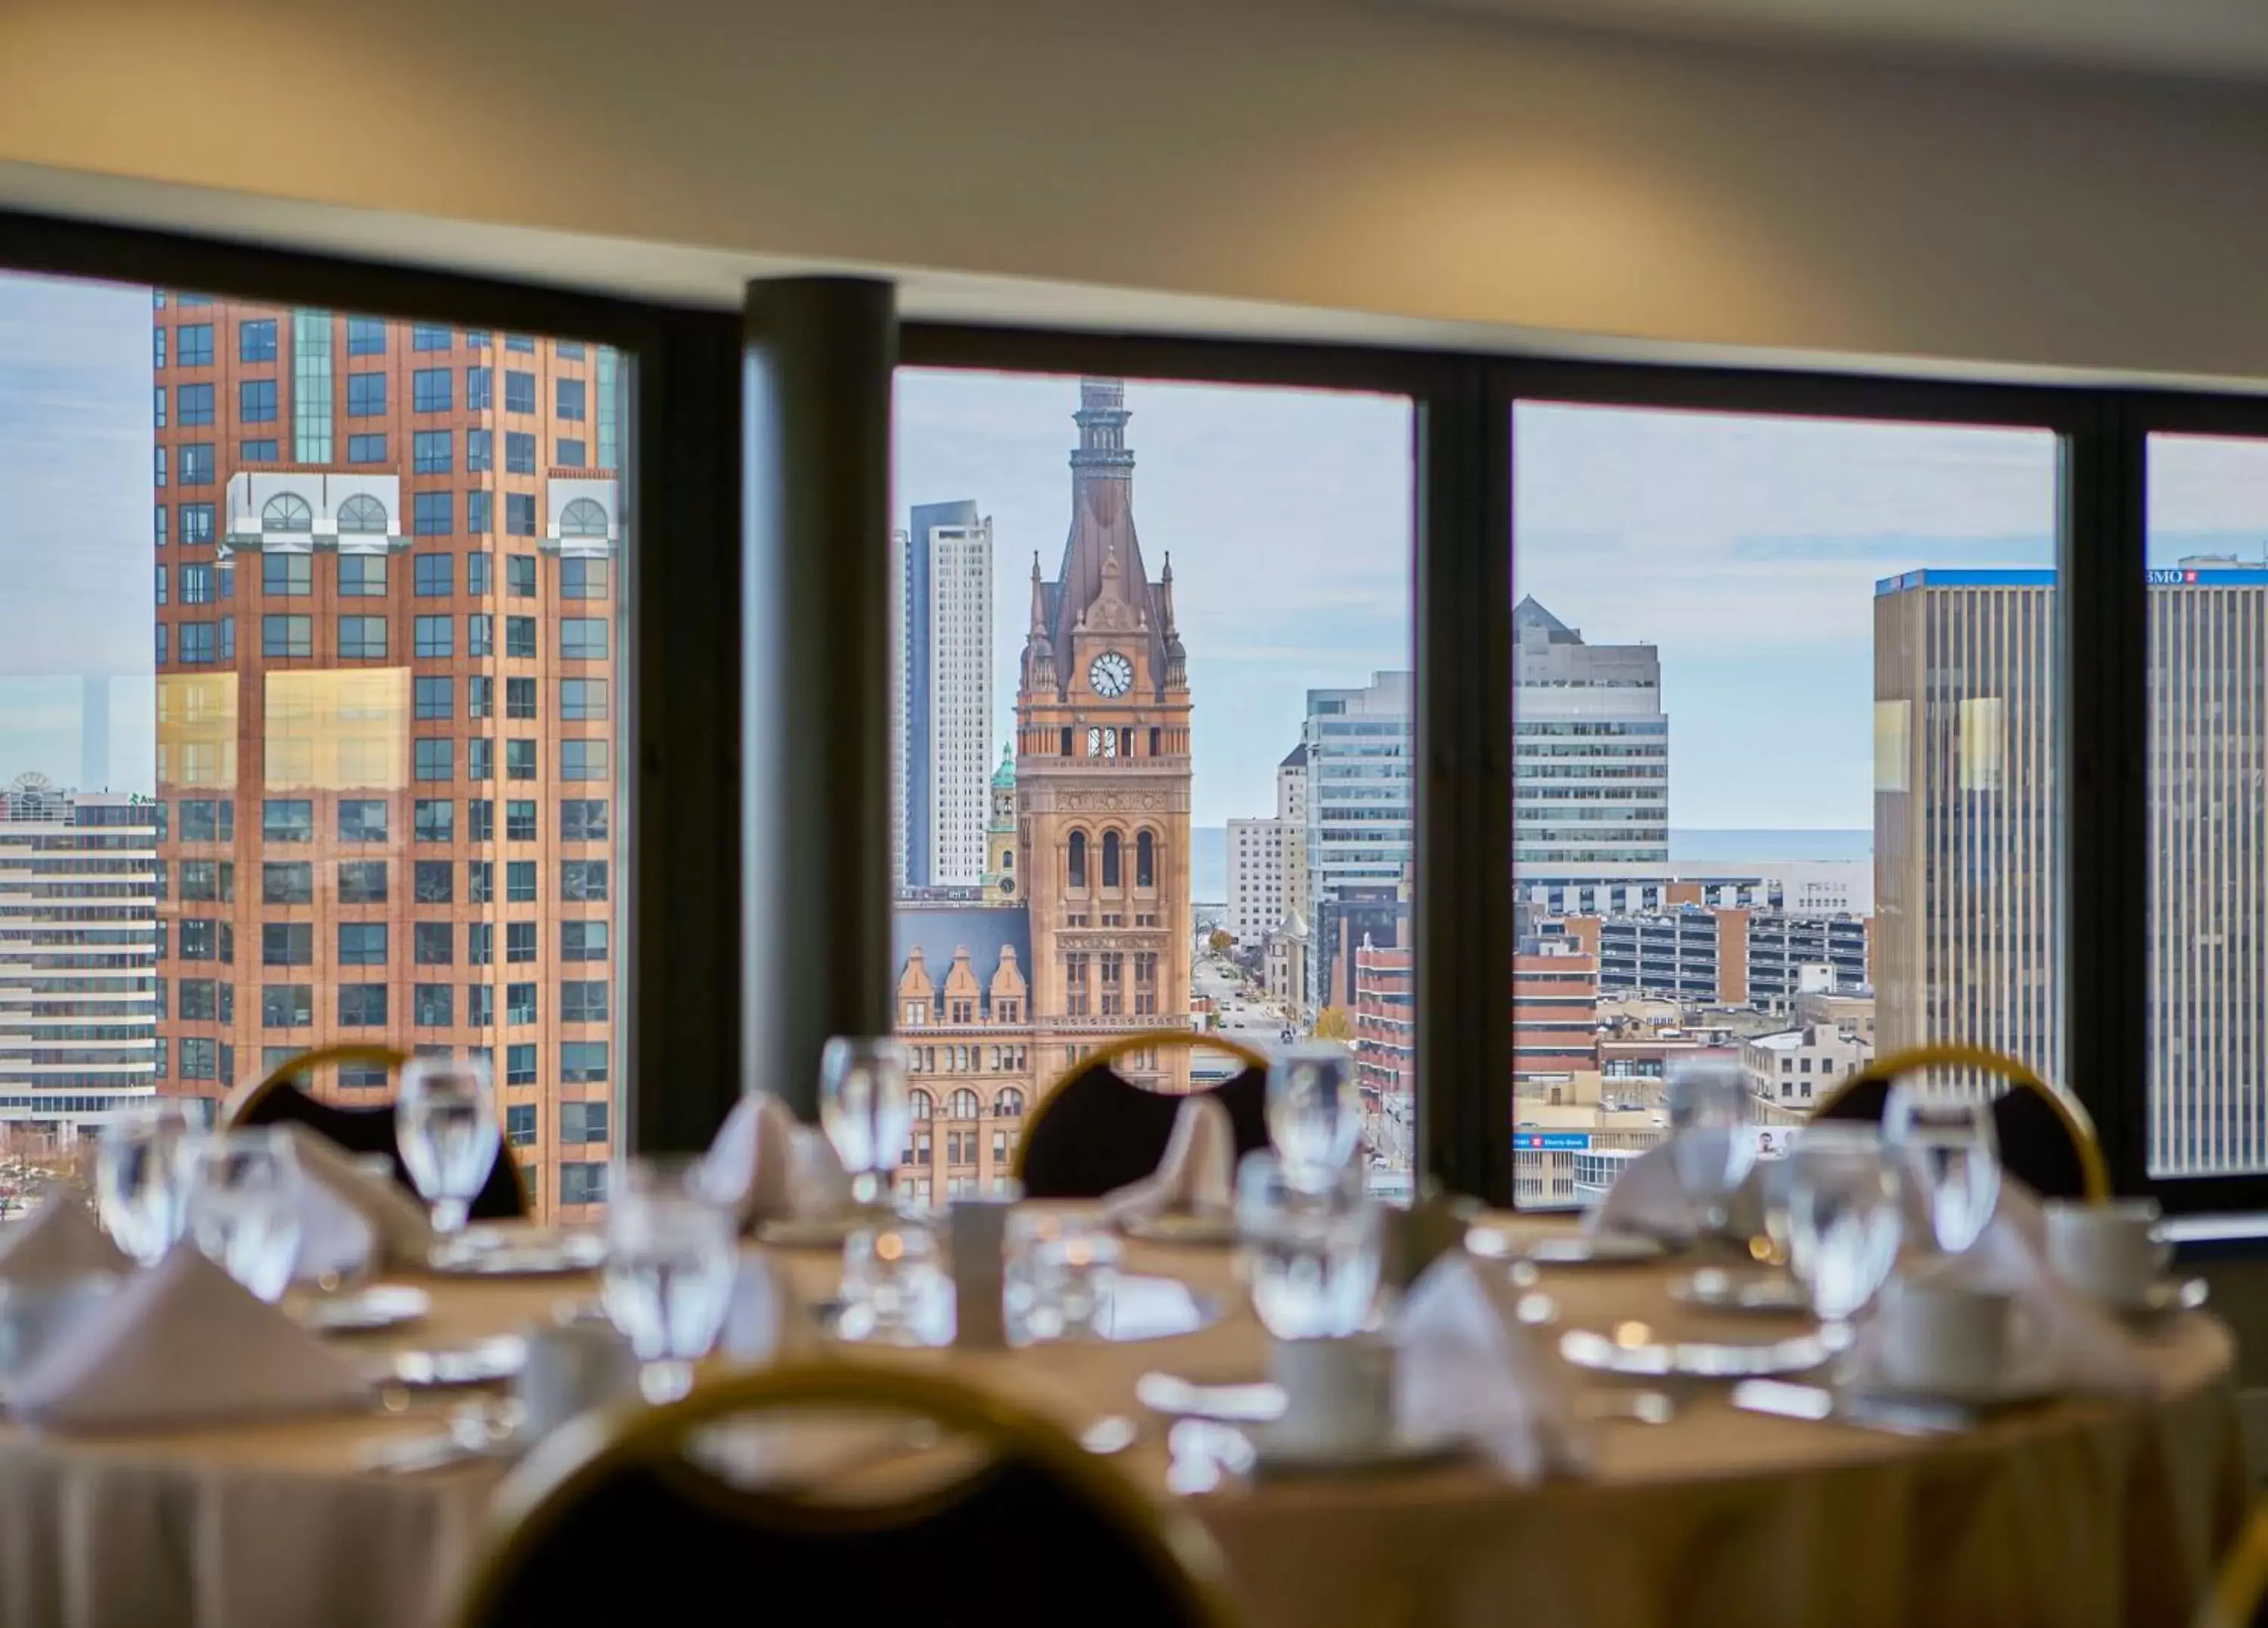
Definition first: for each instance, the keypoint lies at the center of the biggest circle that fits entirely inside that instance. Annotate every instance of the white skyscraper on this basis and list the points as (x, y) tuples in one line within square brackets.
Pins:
[(1268, 858), (944, 748)]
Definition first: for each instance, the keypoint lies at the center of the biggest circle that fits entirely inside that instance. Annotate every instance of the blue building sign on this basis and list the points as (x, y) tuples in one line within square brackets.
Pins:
[(1552, 1141)]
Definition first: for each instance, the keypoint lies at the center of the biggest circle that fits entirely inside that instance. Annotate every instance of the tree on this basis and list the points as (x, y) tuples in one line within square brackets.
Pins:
[(1333, 1023), (1220, 941)]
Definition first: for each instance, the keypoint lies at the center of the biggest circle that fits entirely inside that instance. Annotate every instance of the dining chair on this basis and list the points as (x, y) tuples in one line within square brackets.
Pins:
[(1094, 1130), (2044, 1135), (278, 1099), (917, 1494), (2237, 1597)]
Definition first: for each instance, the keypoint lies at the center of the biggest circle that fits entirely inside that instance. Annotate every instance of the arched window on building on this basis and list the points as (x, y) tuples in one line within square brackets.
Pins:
[(361, 515), (582, 517), (1008, 1102), (1077, 865), (924, 1105), (287, 511), (1110, 859), (1145, 861), (963, 1104)]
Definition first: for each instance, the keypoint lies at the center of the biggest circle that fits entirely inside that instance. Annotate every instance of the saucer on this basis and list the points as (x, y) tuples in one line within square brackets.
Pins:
[(1605, 1248), (483, 1362), (2165, 1297), (1714, 1290), (1632, 1352), (2009, 1388), (518, 1252), (1397, 1449), (361, 1311)]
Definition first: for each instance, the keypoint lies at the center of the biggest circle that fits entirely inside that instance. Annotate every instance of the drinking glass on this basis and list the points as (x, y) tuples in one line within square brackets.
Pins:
[(1948, 1145), (864, 1110), (241, 1200), (445, 1124), (138, 1179), (1315, 1113), (671, 1254), (892, 1285), (1310, 1258), (1844, 1221), (1062, 1267), (1709, 1147)]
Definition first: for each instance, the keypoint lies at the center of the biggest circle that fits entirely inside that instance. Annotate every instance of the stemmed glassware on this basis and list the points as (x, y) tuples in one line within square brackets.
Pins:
[(1844, 1221), (138, 1179), (671, 1253), (445, 1124), (241, 1200), (865, 1110), (1310, 1258), (1711, 1148), (1949, 1147), (1315, 1113)]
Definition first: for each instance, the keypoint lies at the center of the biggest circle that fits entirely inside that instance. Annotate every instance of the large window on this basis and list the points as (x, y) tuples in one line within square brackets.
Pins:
[(1106, 821)]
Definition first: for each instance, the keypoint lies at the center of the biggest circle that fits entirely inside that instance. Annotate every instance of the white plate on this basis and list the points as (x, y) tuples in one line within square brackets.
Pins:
[(381, 1305), (822, 1232), (484, 1362), (1714, 1290), (1185, 1229), (518, 1252), (1605, 1248), (1632, 1352), (1397, 1451)]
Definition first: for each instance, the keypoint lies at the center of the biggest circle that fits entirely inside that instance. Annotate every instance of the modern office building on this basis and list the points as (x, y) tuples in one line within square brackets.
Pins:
[(1259, 859), (385, 709), (78, 946), (1590, 751), (1711, 956), (1359, 817), (1797, 887), (1964, 836), (944, 619)]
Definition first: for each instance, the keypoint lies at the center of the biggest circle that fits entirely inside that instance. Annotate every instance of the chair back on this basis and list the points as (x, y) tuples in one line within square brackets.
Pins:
[(2235, 1599), (1095, 1130), (630, 1515), (277, 1099), (2045, 1138)]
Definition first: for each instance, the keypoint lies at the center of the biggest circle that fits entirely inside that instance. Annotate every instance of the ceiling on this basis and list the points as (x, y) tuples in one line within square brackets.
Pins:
[(2222, 39)]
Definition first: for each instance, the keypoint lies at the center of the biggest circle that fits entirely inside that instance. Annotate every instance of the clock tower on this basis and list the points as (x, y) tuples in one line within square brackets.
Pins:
[(1102, 773)]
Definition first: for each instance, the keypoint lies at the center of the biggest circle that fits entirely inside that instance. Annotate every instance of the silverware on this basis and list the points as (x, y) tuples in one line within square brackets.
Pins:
[(1901, 1416), (1255, 1403)]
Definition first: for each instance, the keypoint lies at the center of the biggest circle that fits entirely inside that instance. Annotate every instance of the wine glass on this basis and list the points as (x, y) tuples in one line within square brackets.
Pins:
[(864, 1110), (138, 1179), (1709, 1147), (1844, 1221), (241, 1201), (445, 1124), (672, 1252), (1949, 1144), (1315, 1113), (1310, 1258)]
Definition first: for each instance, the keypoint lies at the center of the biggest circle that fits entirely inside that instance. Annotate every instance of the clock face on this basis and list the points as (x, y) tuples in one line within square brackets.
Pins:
[(1110, 673)]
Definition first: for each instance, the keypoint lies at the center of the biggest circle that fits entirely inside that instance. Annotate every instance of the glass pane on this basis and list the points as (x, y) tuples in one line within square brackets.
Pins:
[(294, 717), (1158, 777), (1784, 774), (2208, 610)]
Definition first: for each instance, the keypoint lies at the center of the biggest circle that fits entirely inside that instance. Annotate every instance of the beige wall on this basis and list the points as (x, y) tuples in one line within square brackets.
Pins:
[(1324, 153)]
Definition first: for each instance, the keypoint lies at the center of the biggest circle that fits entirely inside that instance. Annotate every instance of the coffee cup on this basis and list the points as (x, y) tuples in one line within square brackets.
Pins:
[(1938, 1335), (575, 1362), (1338, 1393), (2110, 1251)]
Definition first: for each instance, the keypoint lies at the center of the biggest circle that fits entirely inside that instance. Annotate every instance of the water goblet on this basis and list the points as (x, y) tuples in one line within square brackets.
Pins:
[(1315, 1113), (138, 1179), (1844, 1221), (1709, 1147), (1949, 1147), (1062, 1268), (1311, 1259), (671, 1256), (445, 1124), (893, 1286), (241, 1201), (865, 1110)]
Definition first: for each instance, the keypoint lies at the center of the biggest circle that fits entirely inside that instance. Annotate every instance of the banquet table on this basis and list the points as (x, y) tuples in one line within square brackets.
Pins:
[(2071, 1512)]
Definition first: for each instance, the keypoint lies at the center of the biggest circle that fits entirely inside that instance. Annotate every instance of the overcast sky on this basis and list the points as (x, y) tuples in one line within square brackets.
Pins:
[(1747, 549)]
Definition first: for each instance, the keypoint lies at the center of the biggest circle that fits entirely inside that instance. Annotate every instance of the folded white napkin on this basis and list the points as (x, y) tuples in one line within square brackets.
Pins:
[(59, 1239), (351, 1216), (182, 1343), (766, 1320), (1648, 1198), (1196, 1175), (766, 1167), (2065, 1342), (1466, 1366)]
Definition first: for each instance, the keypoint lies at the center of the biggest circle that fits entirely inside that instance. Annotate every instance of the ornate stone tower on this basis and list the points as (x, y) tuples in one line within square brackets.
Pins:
[(1102, 772), (1004, 883)]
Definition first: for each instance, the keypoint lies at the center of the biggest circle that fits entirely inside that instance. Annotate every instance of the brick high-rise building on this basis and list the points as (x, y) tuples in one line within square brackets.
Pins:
[(387, 629)]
